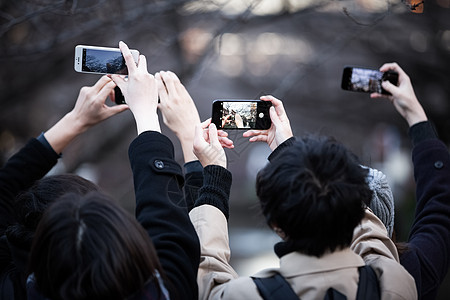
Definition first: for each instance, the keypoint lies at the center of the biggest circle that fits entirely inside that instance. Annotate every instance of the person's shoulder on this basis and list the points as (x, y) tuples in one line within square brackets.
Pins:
[(239, 288)]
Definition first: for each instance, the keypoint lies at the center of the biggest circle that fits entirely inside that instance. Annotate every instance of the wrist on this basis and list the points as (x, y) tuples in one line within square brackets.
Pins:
[(76, 125), (416, 116), (147, 123)]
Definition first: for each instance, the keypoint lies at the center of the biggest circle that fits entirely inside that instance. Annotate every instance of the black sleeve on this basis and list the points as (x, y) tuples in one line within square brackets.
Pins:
[(193, 176), (161, 210), (216, 188), (31, 163), (427, 258), (422, 131), (281, 147)]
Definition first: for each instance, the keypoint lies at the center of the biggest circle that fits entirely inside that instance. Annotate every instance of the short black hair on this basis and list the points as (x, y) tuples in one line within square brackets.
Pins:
[(314, 191), (88, 247), (31, 204)]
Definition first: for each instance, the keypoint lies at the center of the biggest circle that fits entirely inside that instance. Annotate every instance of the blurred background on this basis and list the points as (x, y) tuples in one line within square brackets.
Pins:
[(236, 49)]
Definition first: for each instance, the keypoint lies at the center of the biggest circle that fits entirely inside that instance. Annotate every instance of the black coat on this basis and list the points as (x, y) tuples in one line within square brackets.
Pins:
[(161, 209), (427, 258), (19, 173)]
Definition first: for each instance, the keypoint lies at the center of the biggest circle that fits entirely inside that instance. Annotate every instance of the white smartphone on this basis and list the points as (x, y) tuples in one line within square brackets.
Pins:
[(101, 60)]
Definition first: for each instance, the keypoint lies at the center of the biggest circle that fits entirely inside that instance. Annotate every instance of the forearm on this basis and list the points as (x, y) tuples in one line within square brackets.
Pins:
[(216, 188), (187, 148), (65, 131), (422, 131), (430, 236), (193, 177), (31, 163), (161, 210)]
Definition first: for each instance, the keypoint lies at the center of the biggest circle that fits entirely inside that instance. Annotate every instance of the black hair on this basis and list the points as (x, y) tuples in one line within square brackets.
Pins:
[(31, 204), (88, 247), (314, 191)]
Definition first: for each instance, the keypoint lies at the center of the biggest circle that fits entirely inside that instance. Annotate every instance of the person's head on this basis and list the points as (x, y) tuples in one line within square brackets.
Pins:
[(382, 202), (31, 204), (314, 191), (88, 247)]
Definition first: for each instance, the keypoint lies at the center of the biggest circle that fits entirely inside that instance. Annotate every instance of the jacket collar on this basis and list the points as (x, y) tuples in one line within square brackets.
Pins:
[(339, 259)]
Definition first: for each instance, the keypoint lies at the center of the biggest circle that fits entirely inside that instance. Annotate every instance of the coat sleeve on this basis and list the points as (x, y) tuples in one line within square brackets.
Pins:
[(161, 210), (29, 164), (427, 256)]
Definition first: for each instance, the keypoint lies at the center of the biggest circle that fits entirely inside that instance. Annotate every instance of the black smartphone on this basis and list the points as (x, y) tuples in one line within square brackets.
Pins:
[(366, 80), (118, 96), (241, 114)]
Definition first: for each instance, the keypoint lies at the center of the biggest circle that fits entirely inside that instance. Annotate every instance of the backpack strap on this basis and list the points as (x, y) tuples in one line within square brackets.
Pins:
[(275, 287), (368, 286)]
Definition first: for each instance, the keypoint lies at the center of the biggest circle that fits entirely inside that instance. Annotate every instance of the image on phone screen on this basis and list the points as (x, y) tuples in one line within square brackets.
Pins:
[(366, 80), (241, 114), (102, 61)]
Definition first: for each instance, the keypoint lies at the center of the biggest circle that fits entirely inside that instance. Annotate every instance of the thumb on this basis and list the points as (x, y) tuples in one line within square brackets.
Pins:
[(213, 138), (389, 87), (274, 116), (113, 110)]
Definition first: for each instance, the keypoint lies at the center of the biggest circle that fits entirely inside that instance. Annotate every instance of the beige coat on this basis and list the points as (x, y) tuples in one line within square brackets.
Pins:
[(309, 276)]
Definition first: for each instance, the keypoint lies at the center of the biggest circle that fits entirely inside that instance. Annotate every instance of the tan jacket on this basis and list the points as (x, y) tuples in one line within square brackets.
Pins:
[(309, 276)]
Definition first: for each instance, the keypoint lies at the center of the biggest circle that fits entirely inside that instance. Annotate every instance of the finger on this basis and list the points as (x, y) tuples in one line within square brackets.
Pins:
[(142, 64), (389, 87), (162, 91), (113, 110), (101, 83), (259, 138), (213, 138), (250, 133), (205, 123), (222, 133), (389, 66), (170, 84), (274, 117), (106, 91), (199, 141), (119, 81), (129, 60), (177, 83), (277, 103), (112, 96), (226, 142)]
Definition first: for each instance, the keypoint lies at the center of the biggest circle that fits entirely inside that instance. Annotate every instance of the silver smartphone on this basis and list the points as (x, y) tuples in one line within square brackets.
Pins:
[(101, 60)]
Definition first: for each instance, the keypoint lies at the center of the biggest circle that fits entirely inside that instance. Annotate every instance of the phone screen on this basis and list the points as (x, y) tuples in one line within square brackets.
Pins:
[(241, 114), (103, 61), (366, 80)]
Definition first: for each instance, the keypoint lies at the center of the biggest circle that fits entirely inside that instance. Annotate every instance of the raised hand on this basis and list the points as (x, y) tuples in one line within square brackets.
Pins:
[(279, 131), (402, 96)]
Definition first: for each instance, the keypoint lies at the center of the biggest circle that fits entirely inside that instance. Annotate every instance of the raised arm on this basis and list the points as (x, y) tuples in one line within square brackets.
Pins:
[(427, 253), (38, 156), (158, 182)]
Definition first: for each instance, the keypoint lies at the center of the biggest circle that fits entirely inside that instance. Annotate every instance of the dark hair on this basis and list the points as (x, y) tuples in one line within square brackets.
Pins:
[(31, 204), (314, 191), (88, 247)]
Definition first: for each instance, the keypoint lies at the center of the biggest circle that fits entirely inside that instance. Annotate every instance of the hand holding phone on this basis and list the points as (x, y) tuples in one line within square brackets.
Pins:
[(367, 80), (241, 114), (101, 60), (280, 129)]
